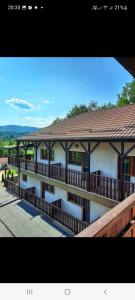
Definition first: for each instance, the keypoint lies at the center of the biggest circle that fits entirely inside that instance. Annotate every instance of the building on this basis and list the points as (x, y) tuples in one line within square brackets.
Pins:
[(81, 167)]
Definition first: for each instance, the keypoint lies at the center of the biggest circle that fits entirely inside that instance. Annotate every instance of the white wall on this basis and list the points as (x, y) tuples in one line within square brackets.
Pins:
[(104, 158), (67, 206), (97, 210), (30, 182), (59, 154)]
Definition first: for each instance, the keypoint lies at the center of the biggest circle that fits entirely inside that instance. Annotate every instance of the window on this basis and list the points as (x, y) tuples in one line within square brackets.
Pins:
[(44, 154), (24, 177), (129, 168), (49, 188), (75, 157)]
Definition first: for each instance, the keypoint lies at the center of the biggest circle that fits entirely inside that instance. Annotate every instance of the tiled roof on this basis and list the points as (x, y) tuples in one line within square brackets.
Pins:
[(103, 124), (3, 160)]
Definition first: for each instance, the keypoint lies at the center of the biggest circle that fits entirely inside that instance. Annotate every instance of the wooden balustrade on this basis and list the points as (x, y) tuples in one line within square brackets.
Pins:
[(57, 203), (93, 182), (52, 210), (12, 160), (119, 221)]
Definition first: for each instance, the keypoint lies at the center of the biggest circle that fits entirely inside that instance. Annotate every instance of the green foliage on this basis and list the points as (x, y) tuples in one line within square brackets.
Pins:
[(57, 120), (12, 176), (127, 95), (92, 106), (9, 172), (108, 105), (77, 110)]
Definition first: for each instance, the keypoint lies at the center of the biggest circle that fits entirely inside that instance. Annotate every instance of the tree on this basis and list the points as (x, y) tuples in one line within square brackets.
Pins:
[(127, 95), (57, 120), (92, 105), (77, 110), (108, 105)]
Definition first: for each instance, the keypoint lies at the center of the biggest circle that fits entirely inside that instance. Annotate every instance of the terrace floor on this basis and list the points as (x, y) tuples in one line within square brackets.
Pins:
[(20, 219)]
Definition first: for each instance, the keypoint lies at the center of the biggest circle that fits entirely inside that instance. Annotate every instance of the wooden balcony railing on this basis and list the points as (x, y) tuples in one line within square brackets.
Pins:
[(119, 221), (93, 182), (52, 210)]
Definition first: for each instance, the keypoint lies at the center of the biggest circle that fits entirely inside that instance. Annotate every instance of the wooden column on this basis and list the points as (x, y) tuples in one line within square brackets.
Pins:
[(36, 147), (88, 164), (49, 158), (26, 157), (18, 165), (66, 161), (17, 152), (122, 169)]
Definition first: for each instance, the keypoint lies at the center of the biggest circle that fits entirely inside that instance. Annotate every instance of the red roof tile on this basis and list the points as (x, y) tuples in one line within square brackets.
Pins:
[(107, 123)]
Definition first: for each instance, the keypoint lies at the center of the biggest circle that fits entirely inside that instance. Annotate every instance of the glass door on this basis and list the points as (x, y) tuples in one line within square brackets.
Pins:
[(127, 166)]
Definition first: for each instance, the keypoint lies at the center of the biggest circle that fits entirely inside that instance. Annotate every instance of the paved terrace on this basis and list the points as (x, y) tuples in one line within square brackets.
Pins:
[(20, 219)]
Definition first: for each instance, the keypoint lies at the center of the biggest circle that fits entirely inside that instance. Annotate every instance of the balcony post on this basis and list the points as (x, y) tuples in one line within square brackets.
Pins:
[(66, 161), (25, 157), (18, 165), (122, 170), (36, 147), (88, 164), (17, 154), (49, 158)]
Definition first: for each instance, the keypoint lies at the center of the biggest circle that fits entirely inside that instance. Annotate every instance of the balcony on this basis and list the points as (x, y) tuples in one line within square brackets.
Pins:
[(118, 222), (105, 186), (53, 210)]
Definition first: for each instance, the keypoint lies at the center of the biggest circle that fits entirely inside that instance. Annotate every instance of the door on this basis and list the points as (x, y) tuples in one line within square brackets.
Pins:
[(86, 214), (84, 162), (43, 190), (129, 168)]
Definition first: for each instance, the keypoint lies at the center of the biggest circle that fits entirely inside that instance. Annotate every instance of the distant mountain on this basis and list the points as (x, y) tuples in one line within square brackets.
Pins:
[(13, 131), (18, 129)]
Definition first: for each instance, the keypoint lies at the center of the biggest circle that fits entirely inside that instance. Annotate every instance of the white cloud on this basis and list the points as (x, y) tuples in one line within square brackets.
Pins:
[(46, 101), (19, 103), (38, 122)]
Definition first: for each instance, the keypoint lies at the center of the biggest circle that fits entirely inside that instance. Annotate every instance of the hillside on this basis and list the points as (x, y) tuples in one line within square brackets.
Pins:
[(13, 131)]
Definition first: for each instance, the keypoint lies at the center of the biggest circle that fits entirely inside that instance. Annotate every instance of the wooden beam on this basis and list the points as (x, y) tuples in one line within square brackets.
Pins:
[(70, 146), (130, 149), (38, 144), (47, 145), (115, 149), (51, 145), (95, 147), (85, 149), (62, 145)]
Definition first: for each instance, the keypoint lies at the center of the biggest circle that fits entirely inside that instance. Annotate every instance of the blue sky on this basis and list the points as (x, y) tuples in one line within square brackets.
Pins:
[(35, 91)]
